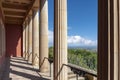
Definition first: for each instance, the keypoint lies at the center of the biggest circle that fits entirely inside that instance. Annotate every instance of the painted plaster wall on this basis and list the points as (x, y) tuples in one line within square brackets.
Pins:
[(13, 40)]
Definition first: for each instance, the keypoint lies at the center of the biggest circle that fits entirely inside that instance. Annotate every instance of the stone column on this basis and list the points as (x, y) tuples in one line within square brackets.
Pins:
[(35, 37), (108, 40), (24, 40), (30, 39), (43, 35), (119, 37), (26, 31), (60, 40), (116, 39)]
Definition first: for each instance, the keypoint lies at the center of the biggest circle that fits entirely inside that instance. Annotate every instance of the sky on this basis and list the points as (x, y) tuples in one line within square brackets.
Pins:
[(82, 22)]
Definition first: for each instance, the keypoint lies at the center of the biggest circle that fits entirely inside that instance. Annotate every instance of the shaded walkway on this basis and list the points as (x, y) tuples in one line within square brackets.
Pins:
[(18, 69)]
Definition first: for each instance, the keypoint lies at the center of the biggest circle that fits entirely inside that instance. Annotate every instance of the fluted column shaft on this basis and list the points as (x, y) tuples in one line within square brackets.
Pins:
[(60, 40), (30, 39), (119, 36), (26, 31), (116, 38), (35, 37), (24, 40), (108, 40), (43, 35)]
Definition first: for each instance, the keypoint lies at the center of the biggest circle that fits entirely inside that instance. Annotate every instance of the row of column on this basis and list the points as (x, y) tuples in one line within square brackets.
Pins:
[(35, 38), (31, 37)]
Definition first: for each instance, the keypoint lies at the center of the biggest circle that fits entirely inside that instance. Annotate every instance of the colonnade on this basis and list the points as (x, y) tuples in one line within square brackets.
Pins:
[(35, 37)]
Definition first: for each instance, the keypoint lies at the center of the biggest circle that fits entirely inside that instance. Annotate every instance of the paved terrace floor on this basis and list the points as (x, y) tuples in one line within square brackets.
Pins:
[(19, 69)]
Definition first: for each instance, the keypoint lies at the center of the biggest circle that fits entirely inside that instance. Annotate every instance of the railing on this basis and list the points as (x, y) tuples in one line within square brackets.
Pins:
[(79, 71)]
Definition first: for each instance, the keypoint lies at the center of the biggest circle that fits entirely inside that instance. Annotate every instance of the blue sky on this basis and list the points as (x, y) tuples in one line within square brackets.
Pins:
[(82, 22)]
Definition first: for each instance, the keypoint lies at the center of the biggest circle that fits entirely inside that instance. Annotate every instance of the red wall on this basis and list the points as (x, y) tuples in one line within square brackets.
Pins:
[(13, 40)]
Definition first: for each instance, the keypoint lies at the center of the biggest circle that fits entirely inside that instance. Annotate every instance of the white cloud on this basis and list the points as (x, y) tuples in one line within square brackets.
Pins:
[(75, 40), (78, 40)]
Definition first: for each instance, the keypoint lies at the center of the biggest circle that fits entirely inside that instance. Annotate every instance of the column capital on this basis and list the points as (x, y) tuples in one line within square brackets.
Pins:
[(29, 17), (26, 20)]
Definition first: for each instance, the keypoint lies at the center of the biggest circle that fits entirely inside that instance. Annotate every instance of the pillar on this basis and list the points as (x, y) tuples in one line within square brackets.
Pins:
[(115, 28), (26, 31), (35, 37), (60, 39), (119, 39), (43, 35), (24, 40), (108, 40), (30, 39)]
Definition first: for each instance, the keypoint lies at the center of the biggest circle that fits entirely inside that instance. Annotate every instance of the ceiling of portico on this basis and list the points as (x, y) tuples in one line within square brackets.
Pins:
[(16, 11)]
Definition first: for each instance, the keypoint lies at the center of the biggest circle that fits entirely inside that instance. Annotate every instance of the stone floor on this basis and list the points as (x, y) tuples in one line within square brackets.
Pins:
[(19, 69)]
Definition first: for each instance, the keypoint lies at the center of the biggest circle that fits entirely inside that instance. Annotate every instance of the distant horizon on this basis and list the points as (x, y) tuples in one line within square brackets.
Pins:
[(78, 46)]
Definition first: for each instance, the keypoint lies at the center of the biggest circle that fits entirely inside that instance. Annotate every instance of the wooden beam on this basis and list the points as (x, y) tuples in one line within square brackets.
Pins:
[(3, 17), (15, 10), (14, 13), (13, 22), (19, 1), (14, 16), (14, 6), (10, 3)]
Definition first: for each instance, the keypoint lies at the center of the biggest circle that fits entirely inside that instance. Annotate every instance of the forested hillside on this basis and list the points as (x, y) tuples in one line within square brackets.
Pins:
[(82, 57)]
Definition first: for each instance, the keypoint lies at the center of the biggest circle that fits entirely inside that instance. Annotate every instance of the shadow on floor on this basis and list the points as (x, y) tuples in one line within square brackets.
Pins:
[(29, 76), (10, 72), (6, 70), (18, 58), (21, 62), (23, 67)]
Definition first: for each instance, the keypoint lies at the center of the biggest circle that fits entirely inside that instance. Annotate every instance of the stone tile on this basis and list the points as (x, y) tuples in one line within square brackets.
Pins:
[(19, 69)]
